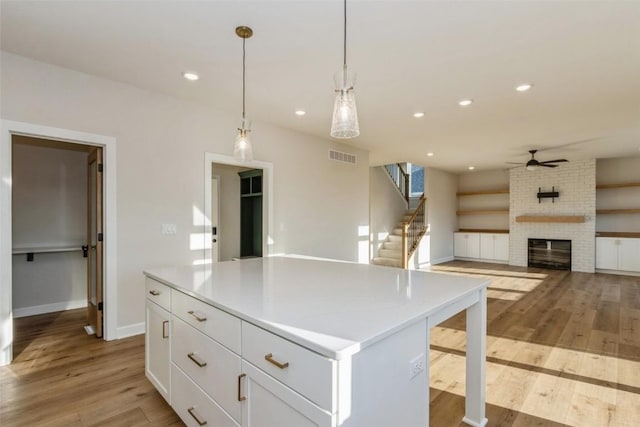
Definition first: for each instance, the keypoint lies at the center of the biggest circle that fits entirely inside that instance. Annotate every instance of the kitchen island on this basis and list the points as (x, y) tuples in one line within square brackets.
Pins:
[(284, 341)]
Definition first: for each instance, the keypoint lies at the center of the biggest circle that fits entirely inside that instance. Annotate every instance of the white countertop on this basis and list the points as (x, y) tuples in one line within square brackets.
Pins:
[(333, 308)]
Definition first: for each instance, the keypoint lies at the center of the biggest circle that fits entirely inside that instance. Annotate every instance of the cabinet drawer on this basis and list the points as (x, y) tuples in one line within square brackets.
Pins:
[(158, 293), (215, 323), (210, 365), (192, 404), (304, 371)]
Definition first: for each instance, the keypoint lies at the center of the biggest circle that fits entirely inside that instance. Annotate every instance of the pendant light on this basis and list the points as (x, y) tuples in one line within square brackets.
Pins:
[(344, 124), (242, 150)]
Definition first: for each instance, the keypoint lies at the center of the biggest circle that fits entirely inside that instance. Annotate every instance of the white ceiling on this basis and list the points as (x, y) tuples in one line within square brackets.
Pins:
[(582, 57)]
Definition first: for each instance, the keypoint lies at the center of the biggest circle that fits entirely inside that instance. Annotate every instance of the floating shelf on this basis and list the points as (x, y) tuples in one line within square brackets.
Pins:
[(619, 185), (617, 211), (491, 212), (529, 218), (616, 234), (483, 230), (483, 192)]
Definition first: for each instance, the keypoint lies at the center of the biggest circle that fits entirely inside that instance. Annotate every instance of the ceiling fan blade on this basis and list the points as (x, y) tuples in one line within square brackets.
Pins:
[(555, 161), (548, 166), (514, 163)]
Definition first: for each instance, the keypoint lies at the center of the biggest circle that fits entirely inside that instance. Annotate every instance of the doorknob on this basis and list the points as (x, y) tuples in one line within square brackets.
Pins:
[(214, 240), (85, 251)]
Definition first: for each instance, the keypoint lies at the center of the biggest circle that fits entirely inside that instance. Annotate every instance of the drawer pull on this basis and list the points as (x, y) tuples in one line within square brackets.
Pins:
[(269, 358), (165, 332), (197, 316), (240, 396), (196, 360), (154, 292), (194, 414)]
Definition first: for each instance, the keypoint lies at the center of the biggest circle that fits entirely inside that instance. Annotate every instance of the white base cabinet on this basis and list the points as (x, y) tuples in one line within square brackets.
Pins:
[(157, 345), (618, 253), (482, 246)]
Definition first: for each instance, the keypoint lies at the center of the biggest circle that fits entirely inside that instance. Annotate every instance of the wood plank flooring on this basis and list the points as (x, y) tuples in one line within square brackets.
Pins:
[(563, 349), (63, 377)]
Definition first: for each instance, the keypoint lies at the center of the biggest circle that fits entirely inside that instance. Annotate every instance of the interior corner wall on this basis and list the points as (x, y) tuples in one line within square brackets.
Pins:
[(387, 207), (321, 207), (441, 190)]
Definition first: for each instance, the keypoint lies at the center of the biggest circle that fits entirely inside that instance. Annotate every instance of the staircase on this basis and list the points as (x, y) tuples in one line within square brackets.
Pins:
[(390, 253)]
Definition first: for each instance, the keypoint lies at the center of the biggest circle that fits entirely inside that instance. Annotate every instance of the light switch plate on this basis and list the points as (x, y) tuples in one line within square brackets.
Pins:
[(169, 229)]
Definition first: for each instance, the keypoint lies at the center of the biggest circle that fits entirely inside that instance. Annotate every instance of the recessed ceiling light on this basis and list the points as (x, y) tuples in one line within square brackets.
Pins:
[(471, 168), (465, 102), (300, 112), (190, 76), (430, 154), (524, 87), (418, 114)]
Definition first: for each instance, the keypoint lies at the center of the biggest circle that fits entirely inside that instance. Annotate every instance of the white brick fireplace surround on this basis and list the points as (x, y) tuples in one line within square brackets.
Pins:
[(576, 183)]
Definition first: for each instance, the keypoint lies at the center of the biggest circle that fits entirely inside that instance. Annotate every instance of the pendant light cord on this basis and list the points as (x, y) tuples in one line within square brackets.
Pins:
[(243, 75), (345, 35)]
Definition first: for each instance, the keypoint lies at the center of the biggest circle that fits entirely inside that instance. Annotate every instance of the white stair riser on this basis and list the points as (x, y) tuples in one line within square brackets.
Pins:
[(386, 253)]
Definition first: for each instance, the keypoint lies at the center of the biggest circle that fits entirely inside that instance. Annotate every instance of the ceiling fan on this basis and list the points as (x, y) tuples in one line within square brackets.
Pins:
[(533, 164)]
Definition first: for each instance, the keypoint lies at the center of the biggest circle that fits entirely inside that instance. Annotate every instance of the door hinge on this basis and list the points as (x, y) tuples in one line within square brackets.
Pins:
[(100, 167), (99, 306), (100, 237)]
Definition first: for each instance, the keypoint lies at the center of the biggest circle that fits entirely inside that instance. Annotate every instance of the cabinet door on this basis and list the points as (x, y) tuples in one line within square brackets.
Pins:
[(607, 253), (267, 403), (157, 348), (487, 243), (501, 247), (629, 254), (460, 244), (473, 245)]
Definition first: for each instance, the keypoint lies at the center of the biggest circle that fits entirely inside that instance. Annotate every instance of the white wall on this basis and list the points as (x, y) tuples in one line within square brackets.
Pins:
[(320, 206), (575, 181), (441, 216), (49, 210), (387, 207), (613, 171), (485, 180)]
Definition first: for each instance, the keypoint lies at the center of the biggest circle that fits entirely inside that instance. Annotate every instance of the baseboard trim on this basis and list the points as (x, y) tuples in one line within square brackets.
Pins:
[(618, 272), (441, 260), (130, 330), (48, 308)]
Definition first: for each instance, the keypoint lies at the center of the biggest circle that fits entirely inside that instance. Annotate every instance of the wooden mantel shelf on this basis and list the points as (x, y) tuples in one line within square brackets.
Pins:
[(541, 218)]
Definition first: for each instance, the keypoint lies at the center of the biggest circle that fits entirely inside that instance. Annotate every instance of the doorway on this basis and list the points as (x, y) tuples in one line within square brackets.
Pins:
[(224, 210), (10, 130)]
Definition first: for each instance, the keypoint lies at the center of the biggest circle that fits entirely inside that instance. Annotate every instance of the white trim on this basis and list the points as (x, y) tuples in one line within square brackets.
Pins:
[(441, 260), (267, 206), (618, 272), (9, 128), (131, 330), (48, 308)]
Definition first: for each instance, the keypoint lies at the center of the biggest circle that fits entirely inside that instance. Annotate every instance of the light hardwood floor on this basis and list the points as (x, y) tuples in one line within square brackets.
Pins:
[(562, 349)]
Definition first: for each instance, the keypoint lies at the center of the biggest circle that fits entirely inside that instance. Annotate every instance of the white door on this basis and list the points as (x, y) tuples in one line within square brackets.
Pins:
[(460, 244), (215, 219), (607, 253), (629, 254), (157, 342)]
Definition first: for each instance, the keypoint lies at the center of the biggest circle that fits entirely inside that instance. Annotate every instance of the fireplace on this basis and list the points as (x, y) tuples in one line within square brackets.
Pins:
[(550, 253)]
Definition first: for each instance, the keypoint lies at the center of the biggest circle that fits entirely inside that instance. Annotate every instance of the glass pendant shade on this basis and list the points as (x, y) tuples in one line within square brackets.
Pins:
[(242, 150), (345, 115)]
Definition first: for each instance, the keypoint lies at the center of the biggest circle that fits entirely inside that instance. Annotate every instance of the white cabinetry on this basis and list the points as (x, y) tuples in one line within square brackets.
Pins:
[(482, 246), (157, 337), (618, 253), (466, 245), (494, 246)]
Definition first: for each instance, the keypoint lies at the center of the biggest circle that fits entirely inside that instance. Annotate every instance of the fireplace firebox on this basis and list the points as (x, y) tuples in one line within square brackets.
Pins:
[(550, 253)]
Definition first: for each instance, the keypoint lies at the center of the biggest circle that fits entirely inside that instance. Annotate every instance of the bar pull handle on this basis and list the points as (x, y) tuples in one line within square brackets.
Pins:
[(240, 396), (197, 316), (196, 360), (165, 332), (154, 292), (269, 358), (196, 416)]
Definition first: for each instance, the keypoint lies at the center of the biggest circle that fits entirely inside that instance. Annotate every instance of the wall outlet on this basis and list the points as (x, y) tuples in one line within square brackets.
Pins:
[(169, 229), (416, 365)]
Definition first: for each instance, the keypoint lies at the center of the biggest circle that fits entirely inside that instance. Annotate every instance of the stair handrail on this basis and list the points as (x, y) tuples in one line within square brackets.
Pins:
[(401, 180), (413, 230)]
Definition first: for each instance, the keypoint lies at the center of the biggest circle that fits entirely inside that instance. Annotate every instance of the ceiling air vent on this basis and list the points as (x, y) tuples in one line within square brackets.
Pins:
[(339, 156)]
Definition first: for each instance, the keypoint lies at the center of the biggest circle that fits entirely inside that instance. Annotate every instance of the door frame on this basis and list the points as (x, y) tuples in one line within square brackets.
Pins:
[(267, 199), (108, 144), (217, 179)]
